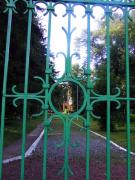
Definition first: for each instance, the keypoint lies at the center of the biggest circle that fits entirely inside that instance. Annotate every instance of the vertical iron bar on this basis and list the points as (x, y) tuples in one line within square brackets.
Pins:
[(88, 97), (8, 38), (68, 63), (127, 96), (108, 94), (77, 99), (26, 91), (68, 72), (45, 150), (46, 93), (66, 145)]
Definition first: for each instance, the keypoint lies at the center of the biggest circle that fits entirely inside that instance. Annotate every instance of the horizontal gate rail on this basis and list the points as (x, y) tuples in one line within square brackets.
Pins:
[(122, 3)]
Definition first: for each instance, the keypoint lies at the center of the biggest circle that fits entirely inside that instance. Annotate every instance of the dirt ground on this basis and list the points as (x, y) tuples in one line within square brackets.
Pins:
[(77, 157)]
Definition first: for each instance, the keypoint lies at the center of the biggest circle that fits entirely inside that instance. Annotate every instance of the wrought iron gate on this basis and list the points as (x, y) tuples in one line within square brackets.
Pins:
[(45, 95)]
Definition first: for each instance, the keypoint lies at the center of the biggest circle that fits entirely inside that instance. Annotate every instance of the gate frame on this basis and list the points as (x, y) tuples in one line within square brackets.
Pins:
[(45, 99)]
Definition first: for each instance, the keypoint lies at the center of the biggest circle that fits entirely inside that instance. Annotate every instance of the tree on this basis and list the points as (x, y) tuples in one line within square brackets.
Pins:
[(117, 67), (17, 55), (77, 95)]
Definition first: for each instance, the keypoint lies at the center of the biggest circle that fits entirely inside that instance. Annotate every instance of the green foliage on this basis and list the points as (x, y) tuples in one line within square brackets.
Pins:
[(132, 116), (13, 129), (17, 58), (117, 67)]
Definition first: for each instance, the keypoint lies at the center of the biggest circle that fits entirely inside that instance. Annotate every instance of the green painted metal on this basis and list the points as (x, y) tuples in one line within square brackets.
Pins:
[(87, 125), (108, 13), (48, 71), (10, 12), (90, 97), (127, 95), (26, 88)]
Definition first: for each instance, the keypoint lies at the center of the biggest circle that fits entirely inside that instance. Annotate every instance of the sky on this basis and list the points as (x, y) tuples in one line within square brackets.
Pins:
[(58, 37)]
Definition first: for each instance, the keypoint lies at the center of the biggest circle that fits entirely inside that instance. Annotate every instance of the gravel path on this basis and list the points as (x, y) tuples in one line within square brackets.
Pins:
[(33, 168)]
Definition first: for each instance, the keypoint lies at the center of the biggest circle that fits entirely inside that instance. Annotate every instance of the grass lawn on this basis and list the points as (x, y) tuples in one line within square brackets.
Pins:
[(13, 130), (119, 136)]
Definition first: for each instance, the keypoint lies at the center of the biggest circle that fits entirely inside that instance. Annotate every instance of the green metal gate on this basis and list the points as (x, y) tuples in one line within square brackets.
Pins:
[(90, 97)]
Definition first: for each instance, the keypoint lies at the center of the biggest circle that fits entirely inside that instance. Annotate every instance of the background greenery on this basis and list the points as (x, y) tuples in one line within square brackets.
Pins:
[(117, 68)]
